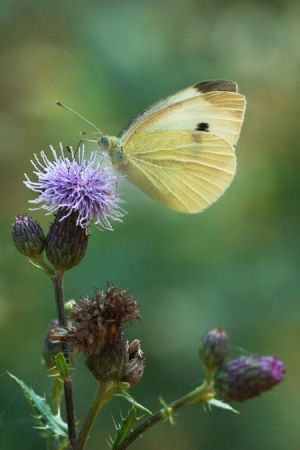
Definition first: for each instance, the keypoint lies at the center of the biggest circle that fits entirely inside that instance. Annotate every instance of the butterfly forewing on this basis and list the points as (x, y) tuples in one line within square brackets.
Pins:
[(219, 113), (190, 92), (211, 106), (184, 171)]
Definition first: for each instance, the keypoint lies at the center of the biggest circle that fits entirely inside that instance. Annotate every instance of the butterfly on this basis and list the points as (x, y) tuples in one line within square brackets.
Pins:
[(181, 150)]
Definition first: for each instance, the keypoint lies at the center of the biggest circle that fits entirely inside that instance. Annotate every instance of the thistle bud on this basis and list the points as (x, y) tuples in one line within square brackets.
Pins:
[(66, 242), (214, 348), (28, 236), (136, 363), (247, 377)]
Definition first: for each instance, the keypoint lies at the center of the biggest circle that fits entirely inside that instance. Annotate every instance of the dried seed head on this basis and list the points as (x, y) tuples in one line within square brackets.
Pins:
[(96, 330), (110, 364), (118, 306)]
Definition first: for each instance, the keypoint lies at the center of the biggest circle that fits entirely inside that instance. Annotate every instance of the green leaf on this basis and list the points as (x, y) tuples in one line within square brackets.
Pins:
[(222, 405), (132, 401), (50, 423), (127, 423), (62, 366), (124, 427)]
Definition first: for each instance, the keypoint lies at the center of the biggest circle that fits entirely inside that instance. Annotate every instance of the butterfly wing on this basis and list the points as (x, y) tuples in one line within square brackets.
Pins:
[(180, 151), (185, 171), (211, 106)]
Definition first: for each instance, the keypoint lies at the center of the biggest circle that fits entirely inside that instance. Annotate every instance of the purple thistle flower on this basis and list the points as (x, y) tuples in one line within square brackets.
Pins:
[(247, 377), (78, 185)]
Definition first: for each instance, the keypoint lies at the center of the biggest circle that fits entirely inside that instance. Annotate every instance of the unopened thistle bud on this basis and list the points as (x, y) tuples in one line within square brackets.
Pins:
[(136, 363), (66, 242), (214, 348), (247, 377), (28, 236)]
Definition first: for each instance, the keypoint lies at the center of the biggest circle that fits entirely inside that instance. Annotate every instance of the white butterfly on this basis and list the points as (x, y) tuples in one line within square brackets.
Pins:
[(180, 151)]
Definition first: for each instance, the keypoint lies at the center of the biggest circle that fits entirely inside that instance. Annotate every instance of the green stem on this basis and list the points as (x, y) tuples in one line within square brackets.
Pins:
[(201, 394), (59, 297), (103, 395), (40, 262)]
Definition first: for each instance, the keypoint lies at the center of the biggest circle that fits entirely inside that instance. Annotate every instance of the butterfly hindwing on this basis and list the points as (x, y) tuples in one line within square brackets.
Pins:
[(185, 171)]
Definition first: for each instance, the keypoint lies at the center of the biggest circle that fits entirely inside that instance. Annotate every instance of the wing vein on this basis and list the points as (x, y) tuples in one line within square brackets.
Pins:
[(200, 163), (196, 175), (183, 146), (196, 192)]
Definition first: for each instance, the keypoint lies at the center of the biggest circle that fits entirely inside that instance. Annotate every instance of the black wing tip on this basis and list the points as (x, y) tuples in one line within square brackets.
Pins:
[(216, 85)]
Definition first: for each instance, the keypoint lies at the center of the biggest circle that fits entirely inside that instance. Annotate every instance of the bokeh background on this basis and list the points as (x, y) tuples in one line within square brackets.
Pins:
[(236, 265)]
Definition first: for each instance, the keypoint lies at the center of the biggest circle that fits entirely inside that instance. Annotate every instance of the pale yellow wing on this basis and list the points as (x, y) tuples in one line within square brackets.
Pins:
[(211, 106), (184, 171)]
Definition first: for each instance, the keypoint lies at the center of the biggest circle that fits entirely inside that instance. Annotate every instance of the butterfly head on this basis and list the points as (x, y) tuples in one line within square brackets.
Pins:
[(112, 146)]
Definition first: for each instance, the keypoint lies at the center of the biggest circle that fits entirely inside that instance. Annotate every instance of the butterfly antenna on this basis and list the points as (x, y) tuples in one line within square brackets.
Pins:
[(62, 105)]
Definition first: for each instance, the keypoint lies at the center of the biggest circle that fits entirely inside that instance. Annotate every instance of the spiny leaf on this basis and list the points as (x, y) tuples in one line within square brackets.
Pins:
[(222, 405), (124, 427), (132, 401), (47, 421), (57, 392)]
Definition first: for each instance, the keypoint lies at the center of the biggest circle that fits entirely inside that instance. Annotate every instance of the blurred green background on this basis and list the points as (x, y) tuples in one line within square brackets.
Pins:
[(236, 265)]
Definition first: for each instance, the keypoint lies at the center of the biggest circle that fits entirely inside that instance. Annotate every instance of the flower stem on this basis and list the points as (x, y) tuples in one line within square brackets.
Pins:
[(201, 394), (59, 297), (103, 395), (40, 263)]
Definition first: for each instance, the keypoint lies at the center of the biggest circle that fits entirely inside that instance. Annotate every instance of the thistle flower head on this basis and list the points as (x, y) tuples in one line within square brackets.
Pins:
[(96, 330), (97, 320), (247, 377), (76, 184)]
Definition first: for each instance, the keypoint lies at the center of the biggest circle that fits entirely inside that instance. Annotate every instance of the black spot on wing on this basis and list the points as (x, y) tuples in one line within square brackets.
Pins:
[(202, 126), (216, 85)]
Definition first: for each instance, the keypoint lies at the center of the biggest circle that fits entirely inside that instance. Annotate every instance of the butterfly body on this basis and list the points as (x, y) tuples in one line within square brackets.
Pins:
[(180, 151), (112, 146)]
